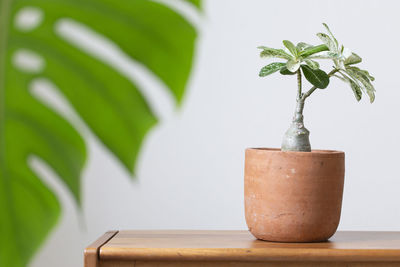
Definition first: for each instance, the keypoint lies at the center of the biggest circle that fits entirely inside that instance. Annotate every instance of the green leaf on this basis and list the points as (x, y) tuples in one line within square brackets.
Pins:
[(290, 46), (318, 77), (352, 59), (293, 65), (285, 71), (302, 46), (328, 42), (271, 68), (312, 64), (274, 53), (110, 104), (313, 50)]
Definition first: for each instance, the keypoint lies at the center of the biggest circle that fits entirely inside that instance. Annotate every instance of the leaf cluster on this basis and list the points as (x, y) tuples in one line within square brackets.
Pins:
[(302, 58)]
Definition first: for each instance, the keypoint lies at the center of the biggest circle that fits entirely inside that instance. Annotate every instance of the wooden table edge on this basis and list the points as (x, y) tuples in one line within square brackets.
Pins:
[(101, 251), (92, 252), (250, 255)]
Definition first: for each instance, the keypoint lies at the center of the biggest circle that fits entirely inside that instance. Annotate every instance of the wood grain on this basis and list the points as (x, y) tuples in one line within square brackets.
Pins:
[(242, 246), (91, 253), (243, 264), (182, 248)]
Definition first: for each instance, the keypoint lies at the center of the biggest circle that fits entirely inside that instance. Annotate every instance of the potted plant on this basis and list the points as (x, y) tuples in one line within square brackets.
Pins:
[(294, 194)]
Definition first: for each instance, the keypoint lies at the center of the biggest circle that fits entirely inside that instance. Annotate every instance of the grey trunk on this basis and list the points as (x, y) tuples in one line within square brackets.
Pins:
[(296, 137)]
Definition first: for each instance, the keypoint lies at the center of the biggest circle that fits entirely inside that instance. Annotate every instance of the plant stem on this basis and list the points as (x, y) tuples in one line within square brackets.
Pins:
[(297, 136), (298, 115), (299, 84)]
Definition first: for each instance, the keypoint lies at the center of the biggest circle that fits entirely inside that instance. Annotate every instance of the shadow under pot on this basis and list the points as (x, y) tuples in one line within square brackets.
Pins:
[(293, 196)]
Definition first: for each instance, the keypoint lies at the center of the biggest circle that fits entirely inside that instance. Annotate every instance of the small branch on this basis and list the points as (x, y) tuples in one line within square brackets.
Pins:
[(309, 92)]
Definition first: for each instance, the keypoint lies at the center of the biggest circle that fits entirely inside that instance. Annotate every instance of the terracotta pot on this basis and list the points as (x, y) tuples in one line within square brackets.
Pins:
[(293, 196)]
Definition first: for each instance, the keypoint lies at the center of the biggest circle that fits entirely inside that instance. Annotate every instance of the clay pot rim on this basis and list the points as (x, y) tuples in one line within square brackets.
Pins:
[(314, 153)]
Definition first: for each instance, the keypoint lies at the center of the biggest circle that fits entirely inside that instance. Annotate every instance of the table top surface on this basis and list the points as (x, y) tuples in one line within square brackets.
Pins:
[(241, 245)]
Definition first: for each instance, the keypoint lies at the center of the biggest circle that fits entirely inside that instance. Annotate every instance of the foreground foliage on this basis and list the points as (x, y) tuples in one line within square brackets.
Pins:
[(108, 102)]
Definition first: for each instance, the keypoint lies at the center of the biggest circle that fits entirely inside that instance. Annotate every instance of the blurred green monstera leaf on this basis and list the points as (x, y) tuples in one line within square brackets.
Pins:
[(111, 105)]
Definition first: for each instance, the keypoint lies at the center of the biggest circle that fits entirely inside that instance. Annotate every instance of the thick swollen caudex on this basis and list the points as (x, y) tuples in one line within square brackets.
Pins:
[(296, 137)]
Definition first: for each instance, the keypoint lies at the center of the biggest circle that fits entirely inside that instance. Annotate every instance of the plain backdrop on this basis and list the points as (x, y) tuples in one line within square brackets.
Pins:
[(190, 169)]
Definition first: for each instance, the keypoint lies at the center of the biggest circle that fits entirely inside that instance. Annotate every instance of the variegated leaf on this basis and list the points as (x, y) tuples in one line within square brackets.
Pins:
[(371, 95), (293, 65), (331, 34), (340, 78), (313, 64), (290, 46), (366, 73), (350, 76), (302, 46), (274, 53), (356, 90), (328, 42), (271, 68), (369, 88), (339, 64), (361, 72), (355, 87), (325, 55), (346, 52), (353, 59)]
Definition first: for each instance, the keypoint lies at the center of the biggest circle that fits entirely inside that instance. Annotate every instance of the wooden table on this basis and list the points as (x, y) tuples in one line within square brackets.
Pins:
[(239, 248)]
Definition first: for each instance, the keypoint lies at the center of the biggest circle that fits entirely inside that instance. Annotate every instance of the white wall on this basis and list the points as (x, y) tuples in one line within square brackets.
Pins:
[(190, 171)]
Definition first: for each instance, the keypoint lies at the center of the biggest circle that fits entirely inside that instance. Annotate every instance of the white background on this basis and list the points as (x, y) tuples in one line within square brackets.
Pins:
[(190, 169)]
